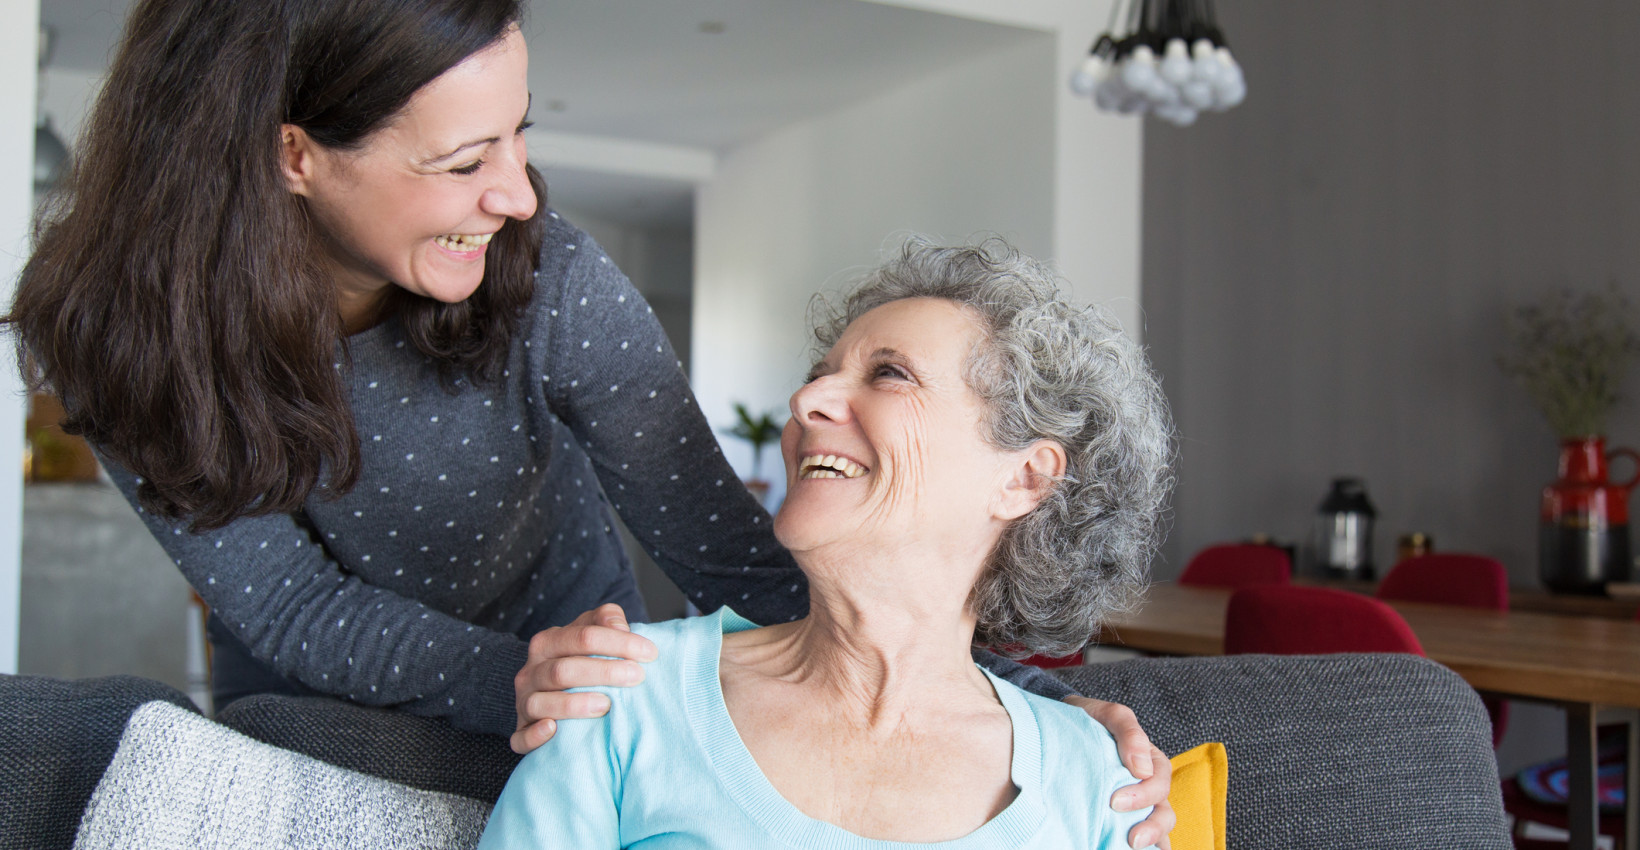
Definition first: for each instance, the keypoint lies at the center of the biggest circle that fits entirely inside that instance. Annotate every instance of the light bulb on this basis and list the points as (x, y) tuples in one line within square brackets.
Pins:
[(1176, 66), (1162, 93), (1109, 97), (1088, 75), (1181, 116), (1139, 69), (1197, 94)]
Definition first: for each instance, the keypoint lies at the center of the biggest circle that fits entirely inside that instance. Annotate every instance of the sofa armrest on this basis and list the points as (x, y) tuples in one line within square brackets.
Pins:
[(56, 739), (1356, 750), (421, 752)]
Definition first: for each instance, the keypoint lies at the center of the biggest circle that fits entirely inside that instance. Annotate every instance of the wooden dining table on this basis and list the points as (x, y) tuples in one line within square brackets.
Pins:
[(1585, 665)]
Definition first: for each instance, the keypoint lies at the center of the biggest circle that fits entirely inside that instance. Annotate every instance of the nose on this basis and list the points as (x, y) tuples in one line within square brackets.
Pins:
[(820, 401), (511, 195)]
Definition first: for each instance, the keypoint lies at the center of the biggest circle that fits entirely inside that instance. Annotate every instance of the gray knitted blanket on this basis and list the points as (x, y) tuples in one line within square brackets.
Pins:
[(179, 780)]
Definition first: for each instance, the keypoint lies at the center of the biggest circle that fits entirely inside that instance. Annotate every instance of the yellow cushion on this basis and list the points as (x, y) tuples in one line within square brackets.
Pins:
[(1201, 778)]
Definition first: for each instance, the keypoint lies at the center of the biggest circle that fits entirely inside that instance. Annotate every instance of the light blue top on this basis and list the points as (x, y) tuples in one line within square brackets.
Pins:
[(660, 772)]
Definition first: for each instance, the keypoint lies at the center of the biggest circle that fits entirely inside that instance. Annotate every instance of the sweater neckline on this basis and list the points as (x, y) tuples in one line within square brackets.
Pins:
[(758, 798)]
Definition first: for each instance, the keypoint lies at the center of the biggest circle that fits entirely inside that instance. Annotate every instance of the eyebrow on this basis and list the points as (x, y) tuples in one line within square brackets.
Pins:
[(479, 142)]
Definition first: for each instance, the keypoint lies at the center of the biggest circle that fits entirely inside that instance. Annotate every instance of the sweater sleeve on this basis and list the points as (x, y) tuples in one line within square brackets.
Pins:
[(297, 609), (609, 373)]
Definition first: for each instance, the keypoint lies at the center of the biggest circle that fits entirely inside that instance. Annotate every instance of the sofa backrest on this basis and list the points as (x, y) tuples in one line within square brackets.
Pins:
[(1361, 750)]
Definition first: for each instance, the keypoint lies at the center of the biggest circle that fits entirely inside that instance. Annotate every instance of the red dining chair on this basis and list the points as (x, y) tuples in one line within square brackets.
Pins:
[(1238, 565), (1449, 578), (1452, 578), (1295, 620)]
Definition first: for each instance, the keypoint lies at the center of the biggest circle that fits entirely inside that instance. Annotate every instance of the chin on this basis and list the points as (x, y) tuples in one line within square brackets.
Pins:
[(451, 292)]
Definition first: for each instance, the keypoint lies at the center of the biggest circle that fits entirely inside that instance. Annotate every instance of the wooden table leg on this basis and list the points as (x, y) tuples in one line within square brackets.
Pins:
[(1631, 804), (1582, 762)]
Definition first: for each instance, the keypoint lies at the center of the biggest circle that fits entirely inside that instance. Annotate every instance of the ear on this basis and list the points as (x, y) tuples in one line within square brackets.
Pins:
[(1030, 479), (298, 159)]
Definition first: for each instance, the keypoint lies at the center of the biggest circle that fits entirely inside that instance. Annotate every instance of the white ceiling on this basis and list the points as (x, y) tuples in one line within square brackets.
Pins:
[(697, 73)]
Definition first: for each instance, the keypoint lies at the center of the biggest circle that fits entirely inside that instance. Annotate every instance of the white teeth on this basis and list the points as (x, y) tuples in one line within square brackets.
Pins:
[(828, 466), (463, 242)]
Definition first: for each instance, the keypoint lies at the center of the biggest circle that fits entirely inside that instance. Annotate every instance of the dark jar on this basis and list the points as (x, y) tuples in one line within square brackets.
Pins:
[(1583, 530), (1343, 531)]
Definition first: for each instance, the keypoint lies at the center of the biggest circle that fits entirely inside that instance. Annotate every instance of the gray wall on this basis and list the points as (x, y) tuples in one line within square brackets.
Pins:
[(1327, 266)]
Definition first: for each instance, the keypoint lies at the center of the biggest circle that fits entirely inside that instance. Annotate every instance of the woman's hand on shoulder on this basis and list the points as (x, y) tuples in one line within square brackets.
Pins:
[(1145, 761), (561, 658)]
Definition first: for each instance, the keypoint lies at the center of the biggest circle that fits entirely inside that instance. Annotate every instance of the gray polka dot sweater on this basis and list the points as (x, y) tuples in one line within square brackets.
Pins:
[(482, 515)]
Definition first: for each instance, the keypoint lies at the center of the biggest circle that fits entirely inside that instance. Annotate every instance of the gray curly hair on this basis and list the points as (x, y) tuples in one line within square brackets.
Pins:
[(1046, 370)]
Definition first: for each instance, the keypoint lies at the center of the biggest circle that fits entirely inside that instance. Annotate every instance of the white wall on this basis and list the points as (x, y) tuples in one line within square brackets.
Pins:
[(1096, 157), (66, 97), (996, 144), (18, 52), (803, 209)]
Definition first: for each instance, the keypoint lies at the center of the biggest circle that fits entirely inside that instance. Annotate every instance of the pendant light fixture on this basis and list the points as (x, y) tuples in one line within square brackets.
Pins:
[(1169, 58)]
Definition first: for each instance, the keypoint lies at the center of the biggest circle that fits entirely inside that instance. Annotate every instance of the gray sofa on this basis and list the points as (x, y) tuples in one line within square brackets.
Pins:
[(1357, 751)]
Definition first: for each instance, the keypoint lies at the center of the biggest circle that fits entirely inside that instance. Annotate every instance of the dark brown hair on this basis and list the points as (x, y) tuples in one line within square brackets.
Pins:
[(173, 300)]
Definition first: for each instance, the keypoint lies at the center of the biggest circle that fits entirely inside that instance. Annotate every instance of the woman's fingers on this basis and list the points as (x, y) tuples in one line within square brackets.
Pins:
[(533, 735), (576, 671), (1154, 829), (561, 658)]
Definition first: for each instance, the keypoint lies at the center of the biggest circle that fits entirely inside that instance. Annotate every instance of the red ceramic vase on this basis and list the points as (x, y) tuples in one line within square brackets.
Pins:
[(1583, 536)]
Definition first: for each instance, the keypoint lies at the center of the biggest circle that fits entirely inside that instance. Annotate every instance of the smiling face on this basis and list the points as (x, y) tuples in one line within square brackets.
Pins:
[(417, 205), (884, 446)]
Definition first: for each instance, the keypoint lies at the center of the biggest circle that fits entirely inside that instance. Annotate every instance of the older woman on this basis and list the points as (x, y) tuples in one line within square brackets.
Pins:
[(972, 459)]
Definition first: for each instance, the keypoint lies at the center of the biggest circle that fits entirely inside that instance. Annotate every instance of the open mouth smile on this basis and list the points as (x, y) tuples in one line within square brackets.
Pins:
[(463, 243), (828, 466)]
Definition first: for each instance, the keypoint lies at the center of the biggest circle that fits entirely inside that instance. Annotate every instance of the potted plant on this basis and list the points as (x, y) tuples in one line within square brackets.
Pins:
[(1570, 352), (759, 431)]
